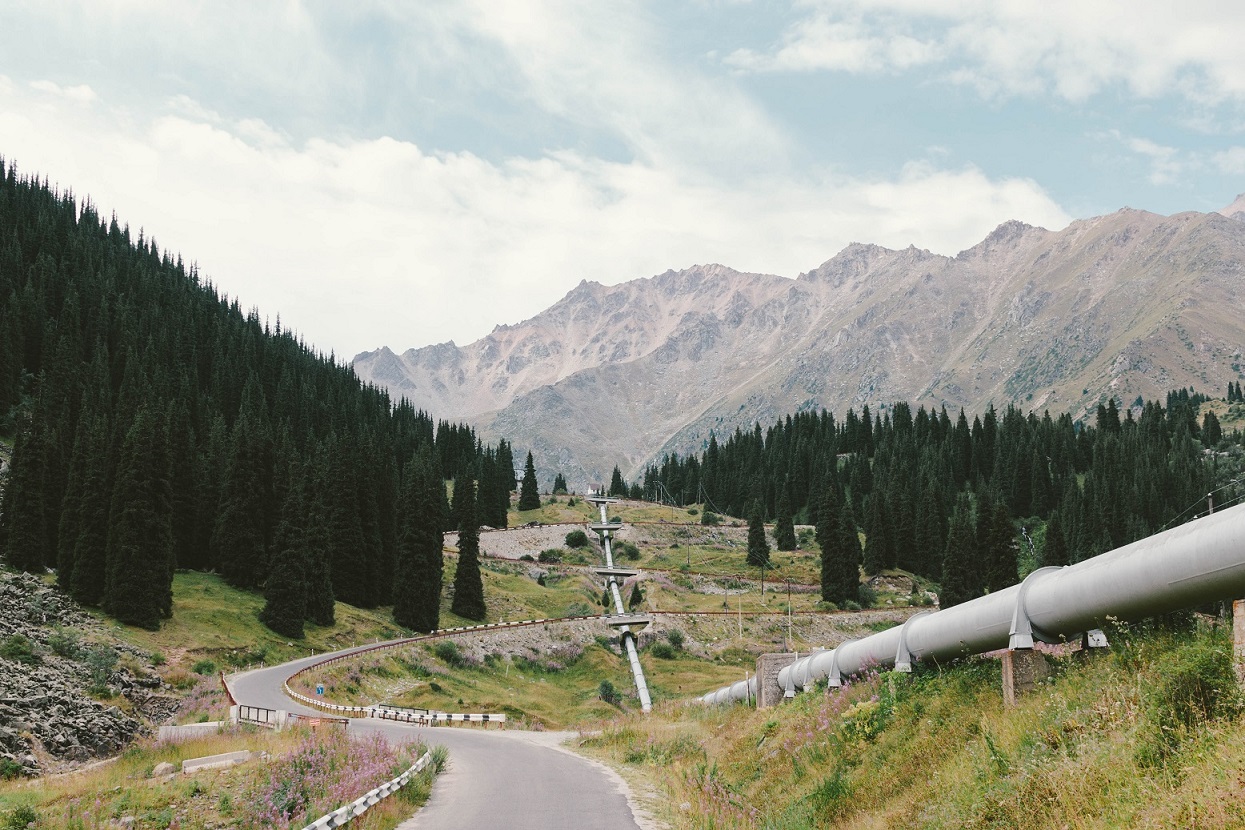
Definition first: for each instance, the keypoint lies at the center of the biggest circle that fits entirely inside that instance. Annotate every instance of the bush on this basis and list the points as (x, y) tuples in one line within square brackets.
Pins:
[(577, 539), (549, 556), (21, 818), (662, 651), (65, 642), (1194, 685), (710, 518), (851, 605), (692, 511), (867, 596), (204, 667), (447, 651), (626, 550), (527, 557), (19, 649), (608, 693), (435, 686), (675, 637)]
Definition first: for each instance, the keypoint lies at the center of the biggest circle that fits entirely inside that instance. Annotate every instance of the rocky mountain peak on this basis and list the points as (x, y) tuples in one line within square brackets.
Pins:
[(1127, 304)]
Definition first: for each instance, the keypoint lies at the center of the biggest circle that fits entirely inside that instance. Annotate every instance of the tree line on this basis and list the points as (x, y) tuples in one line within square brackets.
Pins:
[(960, 503), (157, 426)]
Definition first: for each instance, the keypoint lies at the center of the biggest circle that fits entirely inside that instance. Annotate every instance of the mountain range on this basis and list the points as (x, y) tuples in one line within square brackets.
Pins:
[(1127, 305)]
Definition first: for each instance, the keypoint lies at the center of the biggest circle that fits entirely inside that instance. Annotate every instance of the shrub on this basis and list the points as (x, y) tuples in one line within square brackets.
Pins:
[(435, 686), (21, 818), (447, 651), (867, 596), (65, 642), (662, 651), (576, 539), (204, 667), (675, 637), (608, 693), (19, 649), (1196, 684), (550, 555), (851, 605), (710, 518), (692, 511), (527, 557)]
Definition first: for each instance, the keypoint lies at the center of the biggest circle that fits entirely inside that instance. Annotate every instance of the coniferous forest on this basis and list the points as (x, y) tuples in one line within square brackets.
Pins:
[(964, 504), (157, 426)]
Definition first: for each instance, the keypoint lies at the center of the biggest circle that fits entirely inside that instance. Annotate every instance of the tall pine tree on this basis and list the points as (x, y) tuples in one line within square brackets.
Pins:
[(529, 494), (468, 584)]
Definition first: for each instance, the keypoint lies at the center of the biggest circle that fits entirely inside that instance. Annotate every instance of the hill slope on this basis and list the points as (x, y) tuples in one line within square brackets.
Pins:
[(1130, 304)]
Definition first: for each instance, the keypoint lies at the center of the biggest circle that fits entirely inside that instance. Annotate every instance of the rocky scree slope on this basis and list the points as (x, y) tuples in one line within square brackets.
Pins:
[(51, 653), (1130, 304)]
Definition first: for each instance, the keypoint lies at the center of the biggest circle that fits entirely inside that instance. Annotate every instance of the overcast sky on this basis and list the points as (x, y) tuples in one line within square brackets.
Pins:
[(405, 173)]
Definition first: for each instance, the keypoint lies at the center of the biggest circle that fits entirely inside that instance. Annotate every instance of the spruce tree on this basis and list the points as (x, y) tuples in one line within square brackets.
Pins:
[(529, 494), (1055, 548), (618, 487), (139, 577), (317, 567), (878, 549), (758, 545), (86, 583), (417, 590), (559, 485), (285, 592), (840, 553), (960, 561), (784, 526), (468, 584), (996, 540)]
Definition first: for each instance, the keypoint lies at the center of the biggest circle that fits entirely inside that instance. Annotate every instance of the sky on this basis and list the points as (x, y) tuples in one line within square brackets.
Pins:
[(406, 173)]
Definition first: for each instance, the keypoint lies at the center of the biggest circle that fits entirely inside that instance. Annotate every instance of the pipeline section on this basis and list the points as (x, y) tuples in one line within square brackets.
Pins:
[(1198, 562), (628, 637)]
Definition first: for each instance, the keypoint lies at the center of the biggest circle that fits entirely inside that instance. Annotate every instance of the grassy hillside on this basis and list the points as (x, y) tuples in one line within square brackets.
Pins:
[(1149, 734)]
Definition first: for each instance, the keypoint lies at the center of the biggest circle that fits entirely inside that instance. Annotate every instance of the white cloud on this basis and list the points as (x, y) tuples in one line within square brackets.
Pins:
[(1231, 161), (1067, 48), (81, 94), (363, 243)]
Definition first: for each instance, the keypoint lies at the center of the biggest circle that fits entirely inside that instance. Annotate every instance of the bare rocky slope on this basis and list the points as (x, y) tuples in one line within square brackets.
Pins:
[(1130, 304)]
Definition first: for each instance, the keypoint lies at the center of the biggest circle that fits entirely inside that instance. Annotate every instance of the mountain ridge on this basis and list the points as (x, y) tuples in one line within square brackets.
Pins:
[(1126, 304)]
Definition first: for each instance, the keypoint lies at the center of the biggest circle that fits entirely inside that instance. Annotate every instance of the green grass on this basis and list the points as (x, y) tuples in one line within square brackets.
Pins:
[(1147, 735)]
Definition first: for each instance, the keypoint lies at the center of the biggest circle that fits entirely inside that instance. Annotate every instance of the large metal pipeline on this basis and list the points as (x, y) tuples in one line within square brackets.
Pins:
[(628, 638), (1195, 563)]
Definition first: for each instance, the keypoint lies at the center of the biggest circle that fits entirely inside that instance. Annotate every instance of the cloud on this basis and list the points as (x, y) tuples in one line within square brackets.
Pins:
[(1231, 161), (358, 243), (1003, 47)]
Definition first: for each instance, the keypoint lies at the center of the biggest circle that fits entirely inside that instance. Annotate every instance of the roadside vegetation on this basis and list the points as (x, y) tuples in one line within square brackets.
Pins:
[(292, 778), (1147, 734)]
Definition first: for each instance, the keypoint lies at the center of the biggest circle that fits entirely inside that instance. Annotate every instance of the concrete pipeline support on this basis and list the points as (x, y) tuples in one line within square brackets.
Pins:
[(1195, 563), (612, 578)]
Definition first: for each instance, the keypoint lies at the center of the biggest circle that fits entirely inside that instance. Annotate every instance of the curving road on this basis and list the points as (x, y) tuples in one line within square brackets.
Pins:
[(517, 780)]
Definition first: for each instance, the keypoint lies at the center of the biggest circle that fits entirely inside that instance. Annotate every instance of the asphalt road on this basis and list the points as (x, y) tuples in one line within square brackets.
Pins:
[(495, 778)]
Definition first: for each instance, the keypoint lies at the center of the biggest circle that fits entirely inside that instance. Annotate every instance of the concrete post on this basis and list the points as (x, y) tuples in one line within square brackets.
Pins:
[(1023, 669), (1238, 639), (769, 693)]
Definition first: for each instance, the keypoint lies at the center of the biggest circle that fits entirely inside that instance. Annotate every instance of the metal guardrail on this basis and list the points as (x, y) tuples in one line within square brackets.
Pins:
[(258, 715), (361, 805)]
